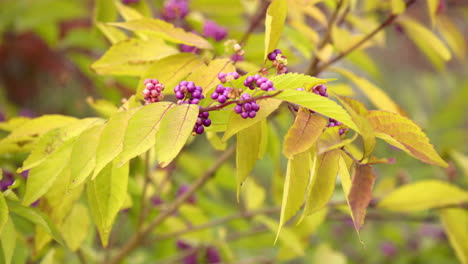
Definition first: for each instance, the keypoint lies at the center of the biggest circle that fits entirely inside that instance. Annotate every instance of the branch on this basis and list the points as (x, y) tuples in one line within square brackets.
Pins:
[(390, 19), (220, 106), (143, 211), (326, 37), (255, 22), (138, 238), (218, 221)]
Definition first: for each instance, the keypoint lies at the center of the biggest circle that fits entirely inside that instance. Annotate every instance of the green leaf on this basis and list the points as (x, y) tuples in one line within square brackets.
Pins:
[(411, 139), (358, 112), (170, 70), (207, 76), (83, 155), (106, 195), (141, 129), (303, 134), (132, 57), (287, 237), (44, 175), (49, 258), (166, 31), (247, 149), (8, 240), (127, 12), (455, 223), (104, 10), (360, 193), (462, 161), (75, 227), (14, 122), (112, 138), (31, 130), (236, 123), (325, 254), (398, 6), (434, 49), (295, 185), (377, 96), (423, 195), (292, 81), (274, 24), (176, 127), (319, 104), (55, 138), (322, 182), (3, 212), (36, 217)]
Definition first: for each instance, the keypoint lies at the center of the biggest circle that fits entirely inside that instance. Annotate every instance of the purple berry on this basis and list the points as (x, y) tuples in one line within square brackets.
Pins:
[(184, 188), (238, 109), (200, 130), (255, 107), (153, 91), (247, 107), (252, 114), (174, 9), (222, 99), (388, 249), (212, 256), (156, 200), (205, 114), (244, 115), (182, 244), (214, 96), (211, 29), (207, 122), (7, 180)]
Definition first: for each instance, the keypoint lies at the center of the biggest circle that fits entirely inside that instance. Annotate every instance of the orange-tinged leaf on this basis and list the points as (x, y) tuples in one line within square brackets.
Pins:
[(360, 193), (322, 183), (166, 31), (303, 133), (409, 135), (358, 112)]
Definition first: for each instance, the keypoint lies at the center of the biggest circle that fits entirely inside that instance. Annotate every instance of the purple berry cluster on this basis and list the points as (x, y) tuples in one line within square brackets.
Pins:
[(227, 77), (221, 93), (175, 9), (190, 258), (213, 30), (189, 49), (127, 2), (212, 255), (258, 81), (188, 92), (279, 61), (335, 123), (153, 91), (247, 109), (202, 122)]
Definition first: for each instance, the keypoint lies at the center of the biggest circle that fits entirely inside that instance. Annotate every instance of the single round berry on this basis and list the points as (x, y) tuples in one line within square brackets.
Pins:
[(175, 9), (213, 30)]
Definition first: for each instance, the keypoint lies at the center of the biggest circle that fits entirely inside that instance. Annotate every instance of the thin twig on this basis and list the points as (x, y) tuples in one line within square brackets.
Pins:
[(217, 222), (139, 237), (390, 19), (350, 155), (255, 22), (143, 211), (220, 106), (326, 37)]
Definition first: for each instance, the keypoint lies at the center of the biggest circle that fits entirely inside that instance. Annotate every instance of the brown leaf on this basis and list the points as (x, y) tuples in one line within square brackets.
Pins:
[(360, 193)]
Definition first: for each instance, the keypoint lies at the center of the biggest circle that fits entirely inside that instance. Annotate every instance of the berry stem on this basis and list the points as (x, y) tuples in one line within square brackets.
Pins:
[(220, 106)]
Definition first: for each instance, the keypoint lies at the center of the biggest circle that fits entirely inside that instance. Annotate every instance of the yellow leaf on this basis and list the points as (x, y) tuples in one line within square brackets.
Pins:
[(398, 6), (207, 76), (452, 36), (455, 222), (325, 254), (274, 24), (377, 96), (322, 183), (247, 149), (295, 184), (409, 136), (462, 161), (432, 8), (423, 195), (428, 42), (303, 133)]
